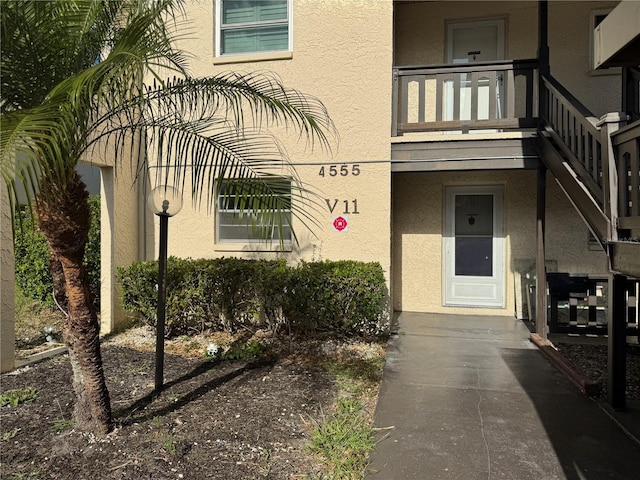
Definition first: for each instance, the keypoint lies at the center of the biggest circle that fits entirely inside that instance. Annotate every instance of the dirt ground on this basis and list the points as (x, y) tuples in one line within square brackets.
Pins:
[(240, 419), (248, 418)]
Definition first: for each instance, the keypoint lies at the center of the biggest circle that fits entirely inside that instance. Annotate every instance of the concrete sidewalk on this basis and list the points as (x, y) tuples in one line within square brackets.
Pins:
[(469, 397)]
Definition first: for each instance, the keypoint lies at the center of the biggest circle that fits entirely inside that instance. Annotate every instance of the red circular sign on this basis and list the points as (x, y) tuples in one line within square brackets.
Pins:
[(340, 223)]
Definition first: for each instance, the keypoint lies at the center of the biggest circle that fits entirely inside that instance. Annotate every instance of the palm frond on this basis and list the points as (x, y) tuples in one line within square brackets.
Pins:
[(201, 129), (36, 142), (141, 47), (260, 97), (204, 152), (197, 128)]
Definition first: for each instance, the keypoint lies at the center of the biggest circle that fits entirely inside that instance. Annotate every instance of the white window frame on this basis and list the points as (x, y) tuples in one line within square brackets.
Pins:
[(239, 222), (274, 53)]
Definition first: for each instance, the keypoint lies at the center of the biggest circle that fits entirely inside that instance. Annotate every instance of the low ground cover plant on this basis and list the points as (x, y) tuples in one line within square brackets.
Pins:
[(35, 324), (17, 396), (228, 294)]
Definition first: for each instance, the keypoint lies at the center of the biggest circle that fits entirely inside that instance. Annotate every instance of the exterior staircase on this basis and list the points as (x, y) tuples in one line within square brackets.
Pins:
[(597, 164)]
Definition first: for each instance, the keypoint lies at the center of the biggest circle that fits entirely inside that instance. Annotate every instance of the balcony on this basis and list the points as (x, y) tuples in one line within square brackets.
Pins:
[(479, 97), (465, 116)]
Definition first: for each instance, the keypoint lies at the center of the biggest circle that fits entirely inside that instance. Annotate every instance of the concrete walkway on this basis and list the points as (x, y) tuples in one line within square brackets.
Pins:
[(469, 397)]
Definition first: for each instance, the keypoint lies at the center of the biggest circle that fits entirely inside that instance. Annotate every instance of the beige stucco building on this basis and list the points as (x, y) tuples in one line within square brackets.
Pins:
[(439, 107), (401, 192), (401, 200)]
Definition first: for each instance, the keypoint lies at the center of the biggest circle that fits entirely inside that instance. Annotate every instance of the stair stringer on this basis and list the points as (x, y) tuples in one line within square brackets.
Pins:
[(579, 196)]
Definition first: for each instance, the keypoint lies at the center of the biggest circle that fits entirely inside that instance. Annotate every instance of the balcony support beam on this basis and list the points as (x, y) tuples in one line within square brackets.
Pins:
[(543, 37), (617, 343), (541, 274)]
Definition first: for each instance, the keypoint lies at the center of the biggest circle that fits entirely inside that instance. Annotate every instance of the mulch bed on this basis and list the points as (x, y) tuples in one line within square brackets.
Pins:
[(244, 419), (592, 361)]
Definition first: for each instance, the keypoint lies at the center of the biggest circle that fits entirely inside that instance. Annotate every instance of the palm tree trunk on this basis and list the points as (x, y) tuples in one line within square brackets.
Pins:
[(57, 279), (64, 219), (81, 333)]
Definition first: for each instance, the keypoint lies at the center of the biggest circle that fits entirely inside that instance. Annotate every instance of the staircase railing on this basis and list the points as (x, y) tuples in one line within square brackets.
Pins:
[(574, 131), (597, 162)]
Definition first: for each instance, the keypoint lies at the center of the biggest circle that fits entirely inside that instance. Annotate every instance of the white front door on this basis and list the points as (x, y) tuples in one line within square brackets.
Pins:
[(469, 42), (474, 246)]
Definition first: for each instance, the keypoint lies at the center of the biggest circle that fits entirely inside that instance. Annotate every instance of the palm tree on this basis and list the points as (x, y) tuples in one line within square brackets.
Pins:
[(73, 81)]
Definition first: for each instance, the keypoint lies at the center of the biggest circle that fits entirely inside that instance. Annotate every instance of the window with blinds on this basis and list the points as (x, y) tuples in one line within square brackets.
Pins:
[(247, 26), (238, 223)]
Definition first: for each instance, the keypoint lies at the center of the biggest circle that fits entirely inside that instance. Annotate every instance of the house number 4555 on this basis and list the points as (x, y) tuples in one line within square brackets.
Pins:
[(342, 170)]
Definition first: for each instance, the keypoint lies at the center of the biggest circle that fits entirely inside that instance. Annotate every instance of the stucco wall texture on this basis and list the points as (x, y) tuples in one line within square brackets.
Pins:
[(418, 227), (120, 237), (342, 54), (7, 275)]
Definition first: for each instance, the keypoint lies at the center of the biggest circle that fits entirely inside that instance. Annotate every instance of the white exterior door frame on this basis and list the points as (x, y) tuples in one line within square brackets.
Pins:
[(487, 51), (477, 277)]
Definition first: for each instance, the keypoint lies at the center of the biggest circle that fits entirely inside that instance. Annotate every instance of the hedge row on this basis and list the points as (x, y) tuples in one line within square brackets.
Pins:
[(230, 293)]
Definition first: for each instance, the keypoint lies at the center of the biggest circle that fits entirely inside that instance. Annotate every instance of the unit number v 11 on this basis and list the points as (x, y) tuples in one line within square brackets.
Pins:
[(343, 170), (332, 204)]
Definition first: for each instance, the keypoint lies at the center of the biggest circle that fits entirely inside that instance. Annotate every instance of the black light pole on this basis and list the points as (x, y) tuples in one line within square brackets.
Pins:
[(162, 299), (169, 201)]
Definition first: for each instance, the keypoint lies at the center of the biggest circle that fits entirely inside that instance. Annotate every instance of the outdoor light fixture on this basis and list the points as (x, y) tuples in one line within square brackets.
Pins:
[(165, 202)]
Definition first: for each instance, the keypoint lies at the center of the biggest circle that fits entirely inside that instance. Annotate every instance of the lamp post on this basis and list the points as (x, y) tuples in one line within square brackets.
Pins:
[(165, 202)]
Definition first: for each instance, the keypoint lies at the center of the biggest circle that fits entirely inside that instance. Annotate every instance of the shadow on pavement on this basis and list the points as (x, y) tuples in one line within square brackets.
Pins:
[(588, 444)]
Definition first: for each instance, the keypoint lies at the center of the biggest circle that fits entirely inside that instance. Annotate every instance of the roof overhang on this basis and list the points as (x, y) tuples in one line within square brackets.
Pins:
[(616, 40)]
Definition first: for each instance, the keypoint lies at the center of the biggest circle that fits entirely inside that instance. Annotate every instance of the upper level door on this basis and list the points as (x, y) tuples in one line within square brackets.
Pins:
[(469, 42), (481, 41)]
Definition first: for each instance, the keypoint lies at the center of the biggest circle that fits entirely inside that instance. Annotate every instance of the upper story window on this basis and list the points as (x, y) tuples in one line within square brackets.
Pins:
[(253, 26), (236, 223)]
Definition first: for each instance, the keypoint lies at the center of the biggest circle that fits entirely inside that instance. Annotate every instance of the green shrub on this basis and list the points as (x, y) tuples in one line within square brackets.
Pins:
[(92, 250), (338, 296), (32, 261), (139, 288), (32, 272), (231, 293)]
